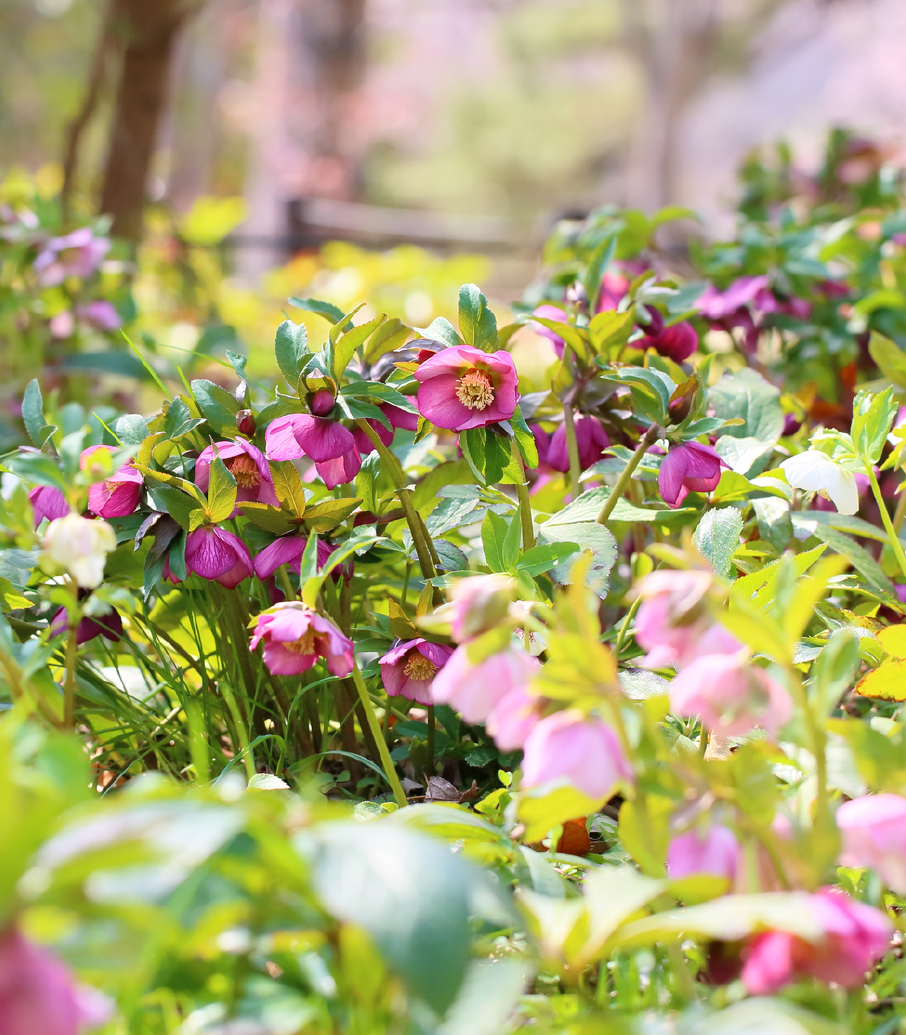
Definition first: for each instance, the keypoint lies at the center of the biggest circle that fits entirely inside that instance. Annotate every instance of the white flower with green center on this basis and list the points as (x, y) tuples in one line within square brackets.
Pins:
[(814, 471)]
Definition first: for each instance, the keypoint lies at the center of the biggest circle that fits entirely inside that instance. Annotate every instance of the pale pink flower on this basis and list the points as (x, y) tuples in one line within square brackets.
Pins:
[(119, 494), (713, 852), (463, 387), (246, 464), (475, 688), (78, 254), (409, 668), (295, 636), (477, 603), (513, 718), (873, 831)]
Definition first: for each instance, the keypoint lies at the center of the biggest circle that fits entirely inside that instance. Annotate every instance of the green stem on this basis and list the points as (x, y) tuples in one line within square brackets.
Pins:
[(432, 737), (892, 536), (900, 512), (616, 493), (525, 506), (375, 727), (72, 650), (572, 449)]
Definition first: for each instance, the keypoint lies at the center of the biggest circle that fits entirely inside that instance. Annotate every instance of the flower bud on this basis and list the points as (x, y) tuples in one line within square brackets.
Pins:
[(322, 402), (682, 402), (245, 423)]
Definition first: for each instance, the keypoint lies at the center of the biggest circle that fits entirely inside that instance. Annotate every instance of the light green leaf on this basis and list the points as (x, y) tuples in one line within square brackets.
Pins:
[(717, 537), (477, 323)]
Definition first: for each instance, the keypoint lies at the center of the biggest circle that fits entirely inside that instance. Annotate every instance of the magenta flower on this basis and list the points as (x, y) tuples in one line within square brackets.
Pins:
[(398, 418), (615, 287), (341, 470), (714, 852), (513, 718), (731, 695), (246, 464), (581, 749), (216, 554), (37, 993), (288, 550), (327, 442), (295, 636), (77, 254), (47, 502), (116, 496), (464, 388), (873, 832), (408, 670), (100, 314), (109, 626), (690, 467), (475, 688), (550, 312), (854, 937), (717, 305), (591, 438), (677, 342)]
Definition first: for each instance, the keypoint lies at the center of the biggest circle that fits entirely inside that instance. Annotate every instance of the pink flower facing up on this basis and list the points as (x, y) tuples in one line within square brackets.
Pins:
[(474, 689), (690, 467), (295, 636), (591, 438), (731, 695), (855, 936), (677, 342), (77, 254), (246, 464), (47, 502), (216, 554), (714, 853), (38, 995), (584, 750), (327, 442), (463, 387), (873, 829), (116, 496), (409, 669)]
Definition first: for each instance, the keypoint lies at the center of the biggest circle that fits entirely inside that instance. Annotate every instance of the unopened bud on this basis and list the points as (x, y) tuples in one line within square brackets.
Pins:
[(245, 423), (649, 319), (682, 402), (322, 402)]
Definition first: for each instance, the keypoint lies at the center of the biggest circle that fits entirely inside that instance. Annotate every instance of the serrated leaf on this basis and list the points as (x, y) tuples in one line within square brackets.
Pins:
[(886, 683), (221, 492), (440, 329), (330, 312), (477, 324), (587, 536), (218, 406), (292, 351), (329, 513), (717, 537), (33, 412), (873, 417), (288, 486), (179, 419), (747, 395), (390, 336), (267, 517), (346, 346)]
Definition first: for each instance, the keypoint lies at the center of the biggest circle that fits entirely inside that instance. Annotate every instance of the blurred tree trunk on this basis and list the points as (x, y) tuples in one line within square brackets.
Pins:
[(148, 31)]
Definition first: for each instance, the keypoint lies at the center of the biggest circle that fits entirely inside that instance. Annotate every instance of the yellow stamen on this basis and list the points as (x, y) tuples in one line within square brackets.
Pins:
[(244, 469), (418, 666), (475, 390)]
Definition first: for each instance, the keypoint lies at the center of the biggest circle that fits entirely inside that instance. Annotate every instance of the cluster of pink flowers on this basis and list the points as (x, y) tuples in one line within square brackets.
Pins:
[(743, 304)]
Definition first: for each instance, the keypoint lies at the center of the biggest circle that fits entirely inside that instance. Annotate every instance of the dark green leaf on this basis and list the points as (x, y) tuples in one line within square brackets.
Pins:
[(329, 311), (178, 420), (477, 323), (33, 412), (218, 406), (291, 349)]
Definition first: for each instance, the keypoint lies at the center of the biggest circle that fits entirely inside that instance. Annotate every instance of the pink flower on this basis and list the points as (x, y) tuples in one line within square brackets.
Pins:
[(873, 829), (690, 467), (37, 993), (288, 550), (216, 554), (717, 305), (77, 254), (513, 718), (714, 852), (327, 442), (246, 464), (477, 603), (550, 312), (854, 936), (99, 314), (116, 496), (464, 388), (398, 418), (409, 669), (677, 342), (475, 688), (341, 470), (109, 626), (731, 695), (615, 287), (295, 636), (591, 438), (583, 750), (47, 502)]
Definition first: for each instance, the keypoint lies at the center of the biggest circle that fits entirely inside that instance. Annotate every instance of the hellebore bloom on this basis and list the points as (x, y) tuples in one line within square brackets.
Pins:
[(553, 313), (341, 470), (583, 749), (814, 471), (677, 342), (288, 550), (216, 554), (591, 438), (614, 288), (80, 547), (477, 603), (513, 718), (731, 695), (714, 852), (37, 993), (77, 254), (47, 502), (409, 669), (873, 830), (246, 464), (855, 936), (109, 626), (117, 495), (463, 387), (295, 636), (690, 467), (327, 442), (474, 689), (399, 418)]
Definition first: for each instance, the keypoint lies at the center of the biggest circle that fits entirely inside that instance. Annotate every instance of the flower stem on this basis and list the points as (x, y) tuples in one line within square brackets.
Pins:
[(892, 536), (616, 493), (572, 449), (525, 506), (375, 727), (72, 649)]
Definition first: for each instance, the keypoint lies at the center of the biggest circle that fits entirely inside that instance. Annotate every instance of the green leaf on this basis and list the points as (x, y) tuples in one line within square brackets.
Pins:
[(365, 481), (597, 264), (292, 351), (329, 513), (587, 536), (342, 325), (353, 339), (218, 406), (873, 417), (172, 501), (330, 312), (389, 336), (889, 357), (805, 525), (487, 454), (178, 420), (746, 394), (440, 329), (539, 559), (477, 323), (33, 413), (609, 329), (221, 492), (717, 537), (131, 429), (547, 806), (493, 532)]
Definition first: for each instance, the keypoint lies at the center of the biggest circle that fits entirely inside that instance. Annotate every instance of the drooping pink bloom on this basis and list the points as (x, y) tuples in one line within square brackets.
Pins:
[(718, 305), (110, 626), (714, 852), (553, 313), (615, 287), (117, 495), (288, 550), (582, 749), (677, 342), (295, 636), (513, 718), (731, 695), (341, 470), (463, 387), (408, 670), (689, 467), (78, 254), (477, 603), (300, 434), (246, 464), (47, 502), (475, 688), (854, 937), (213, 553), (37, 993), (873, 831), (591, 438), (398, 418)]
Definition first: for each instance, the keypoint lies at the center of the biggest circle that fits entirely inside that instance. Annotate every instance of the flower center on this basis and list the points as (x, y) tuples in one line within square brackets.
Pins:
[(474, 390), (244, 469), (305, 645), (418, 666)]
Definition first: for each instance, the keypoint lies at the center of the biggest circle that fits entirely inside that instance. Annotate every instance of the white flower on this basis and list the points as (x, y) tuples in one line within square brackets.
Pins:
[(80, 546), (816, 472)]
